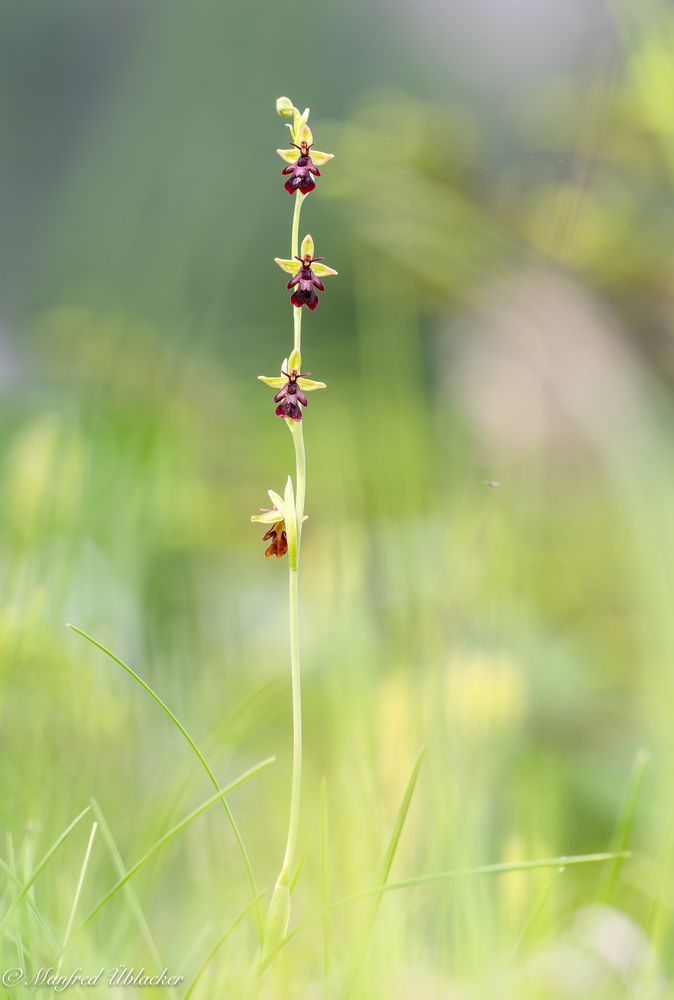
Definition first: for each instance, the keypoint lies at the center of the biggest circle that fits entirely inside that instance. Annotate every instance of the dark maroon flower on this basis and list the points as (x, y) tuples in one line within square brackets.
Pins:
[(292, 387), (301, 171), (290, 396), (305, 283), (279, 540)]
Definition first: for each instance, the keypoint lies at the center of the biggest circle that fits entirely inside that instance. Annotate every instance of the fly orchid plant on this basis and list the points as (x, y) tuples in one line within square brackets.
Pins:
[(284, 520)]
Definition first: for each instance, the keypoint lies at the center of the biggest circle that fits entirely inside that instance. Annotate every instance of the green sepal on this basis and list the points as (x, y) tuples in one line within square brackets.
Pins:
[(322, 270), (320, 158), (278, 502), (267, 517), (310, 385), (289, 155), (300, 121), (290, 266), (273, 381), (305, 135)]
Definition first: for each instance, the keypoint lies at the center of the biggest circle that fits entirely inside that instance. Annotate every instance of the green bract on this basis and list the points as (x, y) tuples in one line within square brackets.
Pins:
[(288, 503)]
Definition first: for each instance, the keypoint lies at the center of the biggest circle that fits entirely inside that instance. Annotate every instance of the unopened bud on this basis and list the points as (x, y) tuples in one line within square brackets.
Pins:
[(284, 107)]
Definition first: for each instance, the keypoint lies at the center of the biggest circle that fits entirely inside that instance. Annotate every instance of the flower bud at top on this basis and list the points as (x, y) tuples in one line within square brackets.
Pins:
[(284, 107)]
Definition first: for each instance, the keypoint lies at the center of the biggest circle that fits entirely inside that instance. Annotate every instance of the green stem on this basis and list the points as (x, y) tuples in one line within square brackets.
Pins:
[(300, 486), (294, 558), (295, 234), (297, 323), (294, 252), (293, 823)]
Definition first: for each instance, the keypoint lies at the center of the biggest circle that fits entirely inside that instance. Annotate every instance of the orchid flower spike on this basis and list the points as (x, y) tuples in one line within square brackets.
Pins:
[(302, 159)]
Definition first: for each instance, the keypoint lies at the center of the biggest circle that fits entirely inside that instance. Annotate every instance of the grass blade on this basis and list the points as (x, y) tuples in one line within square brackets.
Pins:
[(387, 864), (218, 945), (294, 879), (78, 893), (173, 832), (325, 884), (23, 891), (623, 831), (202, 760), (27, 851), (131, 897), (12, 867), (535, 912), (39, 919), (500, 868), (496, 869), (400, 822)]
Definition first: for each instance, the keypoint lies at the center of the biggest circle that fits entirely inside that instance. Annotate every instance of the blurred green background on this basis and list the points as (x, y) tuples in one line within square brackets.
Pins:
[(488, 568)]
